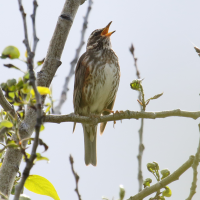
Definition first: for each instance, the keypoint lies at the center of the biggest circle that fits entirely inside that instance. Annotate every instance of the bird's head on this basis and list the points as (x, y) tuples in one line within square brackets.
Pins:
[(100, 38)]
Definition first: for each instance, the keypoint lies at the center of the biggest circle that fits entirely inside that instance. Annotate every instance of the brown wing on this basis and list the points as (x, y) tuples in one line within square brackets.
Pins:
[(78, 84), (110, 107)]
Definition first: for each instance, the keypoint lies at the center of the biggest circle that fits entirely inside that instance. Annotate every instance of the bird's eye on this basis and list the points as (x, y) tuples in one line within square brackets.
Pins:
[(97, 33)]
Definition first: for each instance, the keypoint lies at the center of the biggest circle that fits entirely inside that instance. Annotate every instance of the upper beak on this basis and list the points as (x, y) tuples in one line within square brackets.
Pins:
[(105, 31)]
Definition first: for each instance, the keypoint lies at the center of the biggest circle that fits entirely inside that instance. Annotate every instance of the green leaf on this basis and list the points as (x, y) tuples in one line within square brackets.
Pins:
[(42, 128), (11, 82), (6, 123), (10, 52), (11, 95), (12, 144), (167, 192), (39, 157), (136, 84), (4, 86), (12, 66), (156, 96), (41, 185), (41, 90), (26, 76), (147, 182), (40, 62), (165, 173), (0, 164)]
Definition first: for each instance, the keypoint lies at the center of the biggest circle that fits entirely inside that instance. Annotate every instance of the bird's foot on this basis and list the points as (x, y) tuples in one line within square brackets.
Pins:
[(116, 112), (108, 110)]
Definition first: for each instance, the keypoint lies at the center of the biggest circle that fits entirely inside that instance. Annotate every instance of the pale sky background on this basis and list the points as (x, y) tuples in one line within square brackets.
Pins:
[(163, 33)]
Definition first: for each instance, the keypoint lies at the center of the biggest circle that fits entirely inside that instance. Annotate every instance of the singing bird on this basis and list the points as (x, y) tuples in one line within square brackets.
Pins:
[(97, 77)]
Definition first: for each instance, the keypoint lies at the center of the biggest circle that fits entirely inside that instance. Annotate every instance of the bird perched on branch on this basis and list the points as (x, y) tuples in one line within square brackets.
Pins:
[(97, 77)]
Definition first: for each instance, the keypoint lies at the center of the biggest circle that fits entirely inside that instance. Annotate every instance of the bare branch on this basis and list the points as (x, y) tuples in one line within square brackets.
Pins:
[(29, 162), (141, 145), (161, 184), (132, 49), (76, 176), (194, 166), (63, 96), (121, 115), (26, 41), (35, 38)]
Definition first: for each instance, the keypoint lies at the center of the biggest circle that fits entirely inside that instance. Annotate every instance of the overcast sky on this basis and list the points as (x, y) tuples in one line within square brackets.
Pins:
[(163, 33)]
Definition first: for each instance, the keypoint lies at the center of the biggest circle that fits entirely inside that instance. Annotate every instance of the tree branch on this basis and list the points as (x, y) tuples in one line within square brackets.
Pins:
[(194, 167), (13, 157), (161, 184), (6, 105), (26, 41), (141, 145), (35, 38), (29, 162), (119, 116), (63, 97), (76, 176)]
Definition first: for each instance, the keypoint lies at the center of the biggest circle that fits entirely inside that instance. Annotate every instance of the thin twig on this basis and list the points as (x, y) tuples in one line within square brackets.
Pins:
[(119, 116), (35, 38), (76, 176), (63, 97), (194, 167), (141, 145), (25, 41), (29, 162), (166, 181)]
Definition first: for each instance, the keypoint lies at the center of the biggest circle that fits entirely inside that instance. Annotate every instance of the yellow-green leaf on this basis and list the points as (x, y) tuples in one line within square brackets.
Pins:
[(10, 52), (41, 90), (6, 123), (167, 192), (11, 95), (41, 185), (0, 164), (42, 128), (40, 62)]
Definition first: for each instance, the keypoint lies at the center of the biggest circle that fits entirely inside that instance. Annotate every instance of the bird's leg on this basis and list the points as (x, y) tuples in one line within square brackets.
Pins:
[(108, 110)]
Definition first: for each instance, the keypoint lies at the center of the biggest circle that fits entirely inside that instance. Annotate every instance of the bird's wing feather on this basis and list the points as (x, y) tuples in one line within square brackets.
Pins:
[(78, 84)]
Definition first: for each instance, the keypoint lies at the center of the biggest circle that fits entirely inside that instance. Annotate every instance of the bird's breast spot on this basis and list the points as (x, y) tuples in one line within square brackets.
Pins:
[(104, 90)]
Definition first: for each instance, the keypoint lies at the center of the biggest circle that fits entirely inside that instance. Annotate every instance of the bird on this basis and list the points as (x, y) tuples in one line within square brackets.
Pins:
[(97, 77)]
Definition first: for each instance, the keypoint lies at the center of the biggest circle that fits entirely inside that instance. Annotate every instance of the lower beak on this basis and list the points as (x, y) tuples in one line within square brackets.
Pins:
[(105, 31)]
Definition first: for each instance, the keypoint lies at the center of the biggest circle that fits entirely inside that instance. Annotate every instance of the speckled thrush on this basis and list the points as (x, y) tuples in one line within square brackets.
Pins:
[(97, 77)]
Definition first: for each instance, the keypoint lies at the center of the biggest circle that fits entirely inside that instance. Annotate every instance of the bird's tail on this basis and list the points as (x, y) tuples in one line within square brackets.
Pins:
[(90, 138)]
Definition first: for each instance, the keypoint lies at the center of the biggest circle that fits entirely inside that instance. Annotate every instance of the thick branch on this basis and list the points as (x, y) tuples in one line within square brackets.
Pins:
[(63, 97), (173, 177), (119, 116)]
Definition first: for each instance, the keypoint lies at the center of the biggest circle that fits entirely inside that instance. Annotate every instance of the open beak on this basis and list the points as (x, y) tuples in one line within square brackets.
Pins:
[(105, 31)]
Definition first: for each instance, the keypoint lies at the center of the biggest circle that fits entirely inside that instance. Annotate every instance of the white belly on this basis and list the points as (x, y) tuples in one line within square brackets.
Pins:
[(103, 91)]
